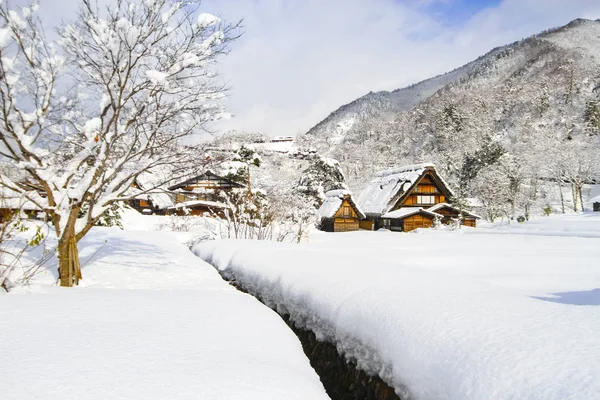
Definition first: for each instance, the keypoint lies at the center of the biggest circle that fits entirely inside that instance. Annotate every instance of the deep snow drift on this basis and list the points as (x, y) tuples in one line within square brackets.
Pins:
[(151, 321), (445, 315)]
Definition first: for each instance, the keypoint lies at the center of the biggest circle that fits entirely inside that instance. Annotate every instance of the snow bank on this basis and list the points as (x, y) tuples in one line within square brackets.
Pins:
[(569, 225), (151, 322), (441, 315)]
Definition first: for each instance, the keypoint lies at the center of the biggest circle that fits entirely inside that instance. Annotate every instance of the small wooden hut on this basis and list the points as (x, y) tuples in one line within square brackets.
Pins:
[(339, 212), (409, 218), (451, 213)]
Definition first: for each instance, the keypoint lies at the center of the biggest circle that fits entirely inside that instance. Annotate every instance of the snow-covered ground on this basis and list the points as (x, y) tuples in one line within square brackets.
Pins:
[(150, 321), (506, 312)]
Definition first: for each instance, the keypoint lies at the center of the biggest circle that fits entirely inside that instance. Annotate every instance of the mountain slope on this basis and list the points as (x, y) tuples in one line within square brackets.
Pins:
[(381, 105), (545, 85)]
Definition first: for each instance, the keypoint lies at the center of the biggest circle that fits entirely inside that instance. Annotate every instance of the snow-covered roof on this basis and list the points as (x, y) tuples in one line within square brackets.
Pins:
[(206, 175), (333, 202), (446, 205), (408, 211), (338, 193), (152, 186), (389, 185), (15, 201), (193, 203), (405, 168)]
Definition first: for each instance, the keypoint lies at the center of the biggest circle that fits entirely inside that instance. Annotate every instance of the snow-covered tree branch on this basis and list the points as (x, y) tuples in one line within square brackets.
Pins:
[(86, 115)]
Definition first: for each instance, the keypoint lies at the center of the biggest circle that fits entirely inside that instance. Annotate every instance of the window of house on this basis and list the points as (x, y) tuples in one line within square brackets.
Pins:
[(425, 199), (346, 212)]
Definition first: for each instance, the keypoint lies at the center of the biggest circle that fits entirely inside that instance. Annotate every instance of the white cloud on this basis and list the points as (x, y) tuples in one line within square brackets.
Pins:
[(301, 59)]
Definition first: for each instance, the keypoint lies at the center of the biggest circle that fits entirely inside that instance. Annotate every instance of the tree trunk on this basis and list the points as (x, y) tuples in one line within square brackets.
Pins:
[(580, 190), (69, 268), (575, 199), (562, 197)]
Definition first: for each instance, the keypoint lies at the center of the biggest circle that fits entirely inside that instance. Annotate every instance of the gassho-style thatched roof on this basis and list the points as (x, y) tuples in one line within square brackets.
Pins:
[(389, 186), (333, 202)]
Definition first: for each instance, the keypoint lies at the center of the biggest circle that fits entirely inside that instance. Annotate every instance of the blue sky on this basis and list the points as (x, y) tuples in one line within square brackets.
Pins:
[(455, 12)]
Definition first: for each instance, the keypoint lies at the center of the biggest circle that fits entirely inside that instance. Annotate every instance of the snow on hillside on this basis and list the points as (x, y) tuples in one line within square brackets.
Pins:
[(441, 314), (568, 225), (383, 105), (581, 34), (510, 97), (277, 147), (151, 321)]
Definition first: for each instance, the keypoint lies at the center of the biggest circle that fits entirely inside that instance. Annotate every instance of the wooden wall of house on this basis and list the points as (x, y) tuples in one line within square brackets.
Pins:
[(417, 221), (470, 222), (346, 218), (366, 224), (346, 211), (413, 201), (345, 224), (426, 187)]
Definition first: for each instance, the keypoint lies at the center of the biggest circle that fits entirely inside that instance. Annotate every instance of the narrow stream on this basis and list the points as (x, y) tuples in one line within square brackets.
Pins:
[(342, 379)]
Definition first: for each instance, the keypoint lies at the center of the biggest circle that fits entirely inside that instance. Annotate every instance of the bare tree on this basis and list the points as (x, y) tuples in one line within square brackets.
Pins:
[(141, 78), (579, 163)]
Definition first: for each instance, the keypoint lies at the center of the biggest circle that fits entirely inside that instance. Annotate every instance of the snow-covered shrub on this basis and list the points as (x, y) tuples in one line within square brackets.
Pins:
[(17, 238)]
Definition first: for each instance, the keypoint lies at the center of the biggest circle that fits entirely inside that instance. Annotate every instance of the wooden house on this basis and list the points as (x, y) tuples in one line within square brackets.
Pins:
[(339, 212), (148, 196), (201, 195), (13, 203), (406, 198), (206, 187)]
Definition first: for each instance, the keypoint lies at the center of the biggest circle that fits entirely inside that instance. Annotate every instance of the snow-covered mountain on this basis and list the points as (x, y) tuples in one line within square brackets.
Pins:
[(382, 106), (543, 85)]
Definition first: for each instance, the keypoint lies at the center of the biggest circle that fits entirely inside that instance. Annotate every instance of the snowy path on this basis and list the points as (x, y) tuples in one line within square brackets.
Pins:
[(150, 322), (444, 315)]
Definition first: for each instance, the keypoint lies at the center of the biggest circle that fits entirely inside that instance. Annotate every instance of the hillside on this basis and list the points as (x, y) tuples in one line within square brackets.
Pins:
[(544, 86), (383, 106)]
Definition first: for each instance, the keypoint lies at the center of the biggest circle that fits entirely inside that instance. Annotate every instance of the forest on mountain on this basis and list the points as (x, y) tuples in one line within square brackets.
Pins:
[(503, 128)]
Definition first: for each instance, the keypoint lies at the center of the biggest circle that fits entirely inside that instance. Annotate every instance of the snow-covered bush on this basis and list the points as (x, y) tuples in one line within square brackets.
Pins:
[(17, 238)]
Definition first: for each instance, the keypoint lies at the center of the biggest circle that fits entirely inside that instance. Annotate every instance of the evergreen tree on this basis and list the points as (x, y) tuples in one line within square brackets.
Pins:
[(322, 175)]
